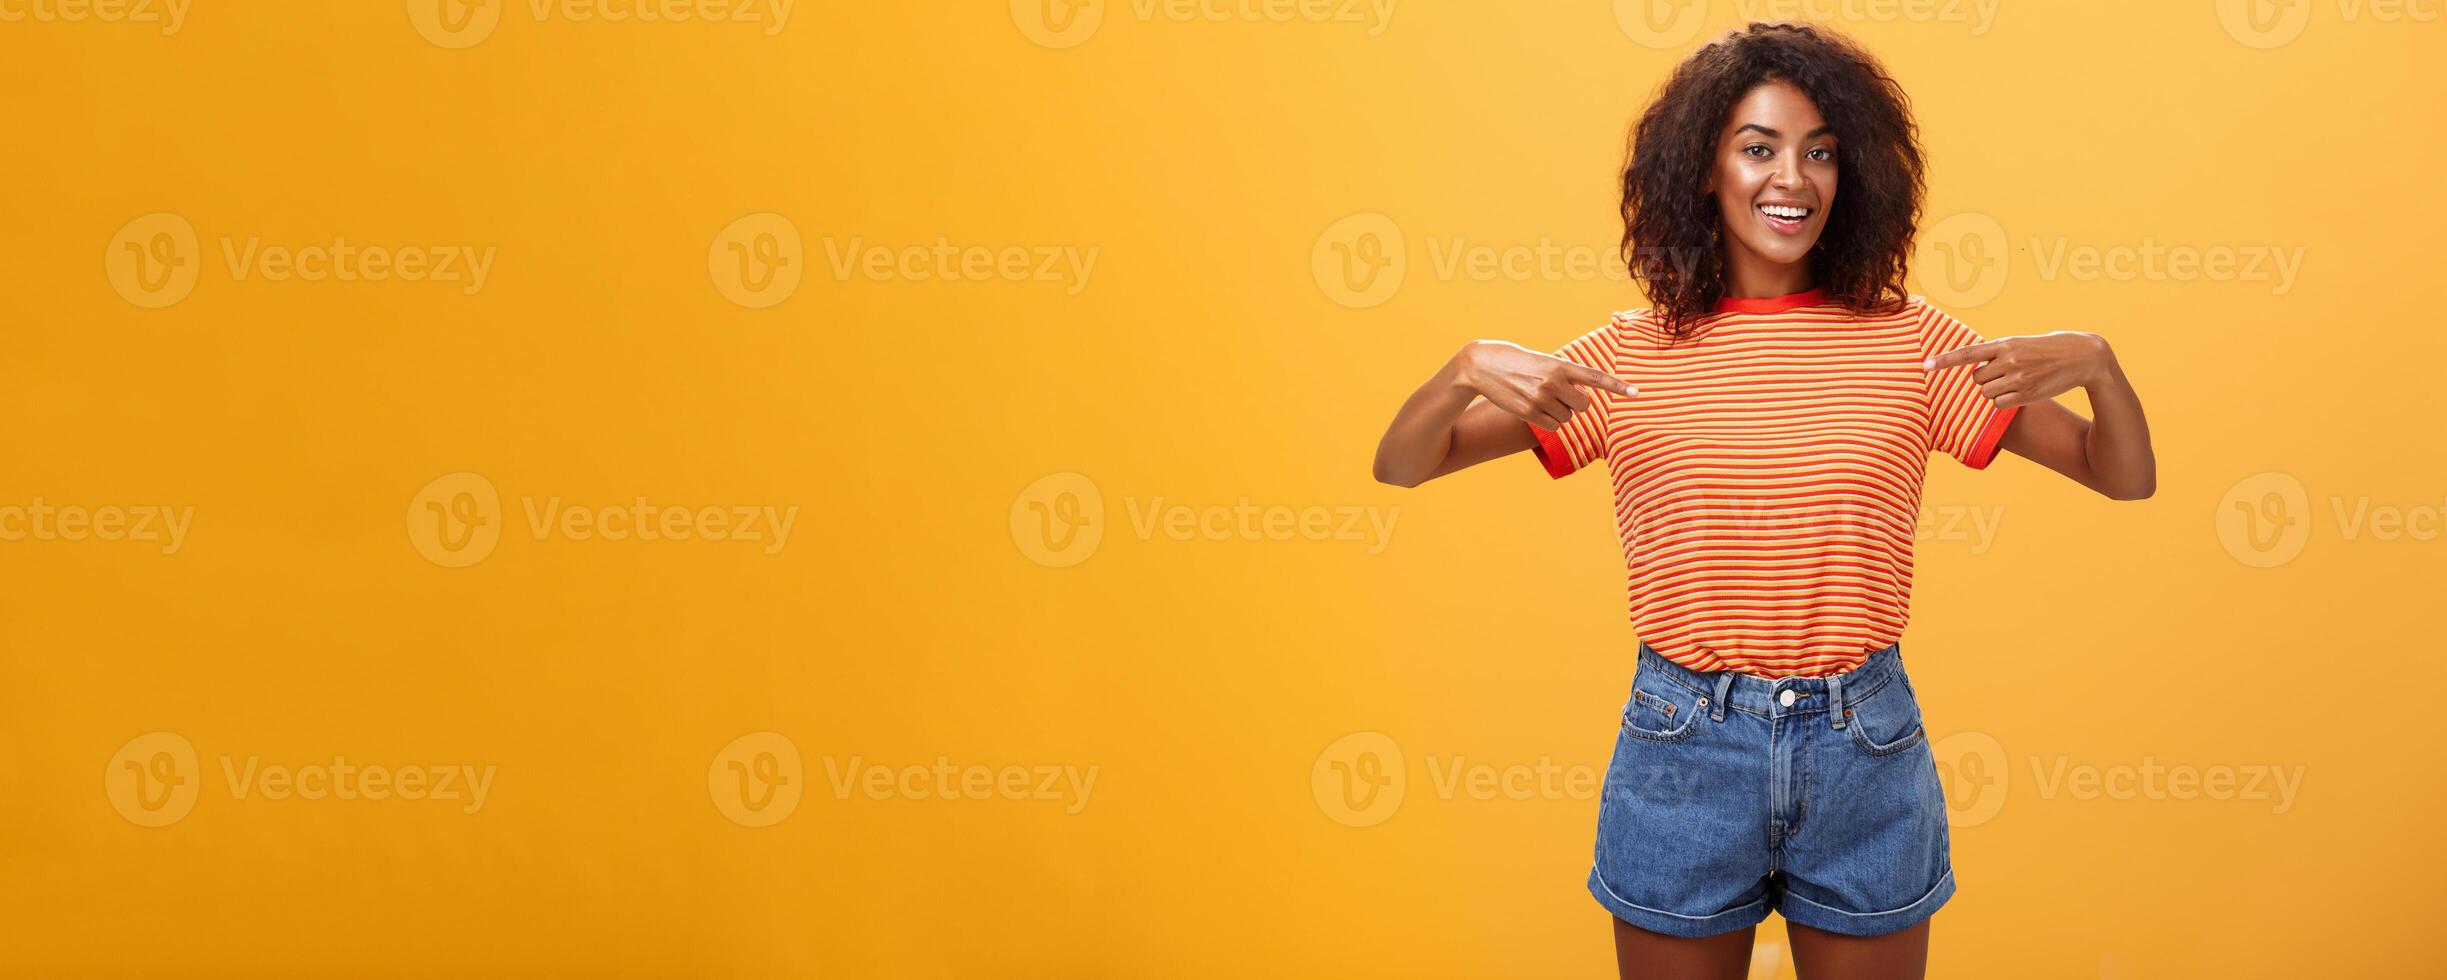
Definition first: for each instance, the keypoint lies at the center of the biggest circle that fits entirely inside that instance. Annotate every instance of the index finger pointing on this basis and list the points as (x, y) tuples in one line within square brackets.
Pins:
[(1600, 379), (1971, 354)]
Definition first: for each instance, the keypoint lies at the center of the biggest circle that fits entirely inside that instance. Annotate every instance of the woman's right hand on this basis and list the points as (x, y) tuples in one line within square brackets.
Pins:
[(1540, 389)]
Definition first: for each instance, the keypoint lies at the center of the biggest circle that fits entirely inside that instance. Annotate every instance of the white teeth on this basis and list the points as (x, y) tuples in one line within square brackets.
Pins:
[(1787, 213)]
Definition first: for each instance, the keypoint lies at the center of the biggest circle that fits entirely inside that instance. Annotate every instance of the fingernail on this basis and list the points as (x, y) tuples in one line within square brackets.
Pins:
[(1928, 364)]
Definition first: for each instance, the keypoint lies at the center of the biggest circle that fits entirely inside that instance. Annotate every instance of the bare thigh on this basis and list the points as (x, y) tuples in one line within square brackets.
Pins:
[(1822, 955), (1643, 955)]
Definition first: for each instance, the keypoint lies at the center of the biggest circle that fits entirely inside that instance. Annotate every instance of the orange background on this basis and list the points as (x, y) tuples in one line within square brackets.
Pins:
[(938, 598)]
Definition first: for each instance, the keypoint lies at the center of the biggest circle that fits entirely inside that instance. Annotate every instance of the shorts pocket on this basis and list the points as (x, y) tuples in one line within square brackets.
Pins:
[(1661, 713), (1887, 721)]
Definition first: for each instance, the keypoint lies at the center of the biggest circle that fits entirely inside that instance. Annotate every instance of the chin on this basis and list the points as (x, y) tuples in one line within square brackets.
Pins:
[(1784, 253)]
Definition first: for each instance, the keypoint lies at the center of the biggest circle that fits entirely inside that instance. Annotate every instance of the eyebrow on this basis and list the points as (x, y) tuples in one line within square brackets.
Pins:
[(1772, 134)]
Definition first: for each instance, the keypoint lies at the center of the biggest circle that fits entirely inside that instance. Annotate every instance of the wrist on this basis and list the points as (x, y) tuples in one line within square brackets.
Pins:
[(2105, 372), (1461, 373)]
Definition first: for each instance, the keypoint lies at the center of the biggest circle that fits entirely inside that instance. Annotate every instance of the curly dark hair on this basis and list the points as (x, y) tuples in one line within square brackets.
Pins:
[(1671, 239)]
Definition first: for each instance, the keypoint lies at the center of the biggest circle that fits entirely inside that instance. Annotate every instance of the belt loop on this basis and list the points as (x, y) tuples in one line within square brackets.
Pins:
[(1724, 693), (1835, 699)]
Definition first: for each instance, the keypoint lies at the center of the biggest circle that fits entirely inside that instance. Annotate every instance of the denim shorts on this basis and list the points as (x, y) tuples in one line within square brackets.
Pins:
[(1732, 795)]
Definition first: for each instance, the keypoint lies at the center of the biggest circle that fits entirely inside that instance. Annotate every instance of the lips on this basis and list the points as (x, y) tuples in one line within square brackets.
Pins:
[(1786, 217)]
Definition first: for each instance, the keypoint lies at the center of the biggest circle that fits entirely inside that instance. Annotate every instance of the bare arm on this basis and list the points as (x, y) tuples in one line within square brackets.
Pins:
[(2111, 453), (1440, 430)]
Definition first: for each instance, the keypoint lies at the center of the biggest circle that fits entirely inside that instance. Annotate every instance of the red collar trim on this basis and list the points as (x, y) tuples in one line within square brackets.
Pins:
[(1772, 304)]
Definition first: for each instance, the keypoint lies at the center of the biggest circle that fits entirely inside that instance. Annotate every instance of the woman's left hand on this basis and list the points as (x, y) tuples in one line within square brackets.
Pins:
[(2022, 370)]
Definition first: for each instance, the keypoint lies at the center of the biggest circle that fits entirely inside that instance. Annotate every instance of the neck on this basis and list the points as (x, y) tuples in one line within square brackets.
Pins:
[(1748, 276)]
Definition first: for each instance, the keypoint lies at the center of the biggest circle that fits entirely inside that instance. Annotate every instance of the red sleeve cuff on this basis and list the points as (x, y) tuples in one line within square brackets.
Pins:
[(1984, 449), (1551, 453)]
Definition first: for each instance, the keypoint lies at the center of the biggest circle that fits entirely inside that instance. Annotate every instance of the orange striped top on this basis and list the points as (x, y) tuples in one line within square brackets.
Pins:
[(1767, 477)]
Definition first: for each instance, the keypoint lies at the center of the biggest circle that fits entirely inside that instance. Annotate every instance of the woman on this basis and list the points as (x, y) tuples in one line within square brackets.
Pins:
[(1768, 423)]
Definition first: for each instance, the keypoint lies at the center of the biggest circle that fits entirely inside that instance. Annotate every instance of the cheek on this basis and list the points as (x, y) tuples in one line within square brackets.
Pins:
[(1730, 178), (1732, 186)]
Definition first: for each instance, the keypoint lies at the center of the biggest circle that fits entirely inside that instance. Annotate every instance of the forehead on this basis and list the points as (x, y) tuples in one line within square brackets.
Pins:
[(1778, 105)]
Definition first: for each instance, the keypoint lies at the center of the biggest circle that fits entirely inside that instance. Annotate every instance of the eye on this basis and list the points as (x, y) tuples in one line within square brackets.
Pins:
[(1822, 154), (1758, 151)]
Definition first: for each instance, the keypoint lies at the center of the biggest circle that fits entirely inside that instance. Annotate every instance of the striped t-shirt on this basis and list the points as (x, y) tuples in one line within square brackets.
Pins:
[(1767, 476)]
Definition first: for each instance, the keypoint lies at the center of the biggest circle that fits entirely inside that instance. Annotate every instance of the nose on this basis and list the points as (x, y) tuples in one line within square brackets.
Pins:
[(1788, 173)]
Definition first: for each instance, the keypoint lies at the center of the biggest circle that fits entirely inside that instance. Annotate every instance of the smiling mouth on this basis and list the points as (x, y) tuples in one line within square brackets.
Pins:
[(1784, 212)]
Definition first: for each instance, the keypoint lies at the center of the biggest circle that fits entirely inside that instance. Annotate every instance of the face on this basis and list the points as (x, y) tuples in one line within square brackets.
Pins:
[(1774, 176)]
